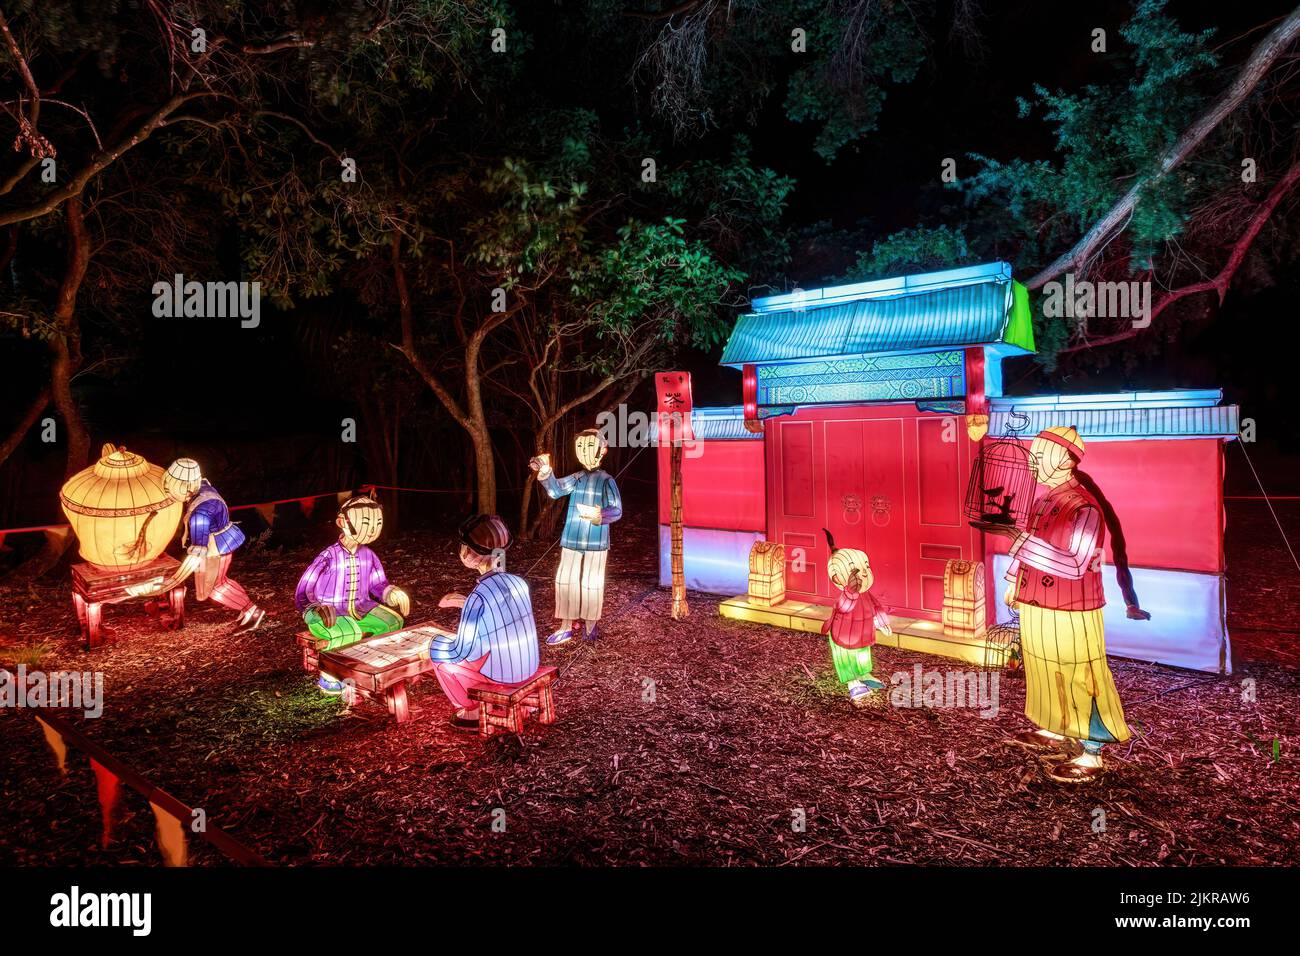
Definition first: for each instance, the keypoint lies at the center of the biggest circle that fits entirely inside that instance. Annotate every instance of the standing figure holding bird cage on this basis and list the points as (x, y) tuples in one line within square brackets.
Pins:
[(1056, 586)]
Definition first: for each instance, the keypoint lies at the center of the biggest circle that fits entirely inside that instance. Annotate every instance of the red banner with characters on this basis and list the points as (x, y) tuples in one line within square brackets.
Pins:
[(673, 392)]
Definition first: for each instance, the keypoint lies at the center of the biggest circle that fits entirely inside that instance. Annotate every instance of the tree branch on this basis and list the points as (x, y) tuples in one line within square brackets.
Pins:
[(407, 347), (1220, 282), (27, 420), (683, 7), (99, 162), (1260, 61)]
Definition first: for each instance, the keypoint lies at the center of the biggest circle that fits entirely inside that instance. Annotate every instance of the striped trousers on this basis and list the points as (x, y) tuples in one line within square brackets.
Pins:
[(580, 585), (456, 680), (226, 592), (1069, 689)]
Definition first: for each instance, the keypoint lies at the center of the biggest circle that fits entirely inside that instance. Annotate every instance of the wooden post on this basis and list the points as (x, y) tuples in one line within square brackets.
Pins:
[(673, 391), (680, 608)]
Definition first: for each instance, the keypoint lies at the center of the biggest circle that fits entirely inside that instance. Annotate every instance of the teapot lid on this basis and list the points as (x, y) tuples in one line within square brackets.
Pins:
[(117, 464)]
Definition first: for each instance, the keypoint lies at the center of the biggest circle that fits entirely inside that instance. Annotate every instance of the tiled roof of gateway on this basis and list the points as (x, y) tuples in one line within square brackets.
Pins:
[(979, 305), (1178, 413), (725, 423)]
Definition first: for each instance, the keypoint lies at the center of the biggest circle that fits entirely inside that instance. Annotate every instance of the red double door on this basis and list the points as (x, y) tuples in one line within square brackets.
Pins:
[(887, 479)]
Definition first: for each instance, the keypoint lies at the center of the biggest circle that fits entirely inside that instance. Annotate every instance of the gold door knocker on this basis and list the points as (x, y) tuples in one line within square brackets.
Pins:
[(880, 507)]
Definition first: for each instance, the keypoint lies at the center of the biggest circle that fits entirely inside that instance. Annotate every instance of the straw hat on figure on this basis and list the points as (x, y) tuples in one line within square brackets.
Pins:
[(594, 505), (1056, 586), (210, 539), (853, 623)]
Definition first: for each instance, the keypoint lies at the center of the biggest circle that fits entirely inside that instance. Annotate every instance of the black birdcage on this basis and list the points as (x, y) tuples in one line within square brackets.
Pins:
[(1002, 482)]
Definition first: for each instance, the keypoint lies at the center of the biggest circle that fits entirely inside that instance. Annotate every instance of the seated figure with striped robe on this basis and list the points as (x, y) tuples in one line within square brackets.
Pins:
[(496, 638)]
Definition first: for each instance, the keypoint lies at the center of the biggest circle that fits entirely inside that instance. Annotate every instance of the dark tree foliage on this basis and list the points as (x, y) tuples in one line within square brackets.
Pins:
[(501, 216)]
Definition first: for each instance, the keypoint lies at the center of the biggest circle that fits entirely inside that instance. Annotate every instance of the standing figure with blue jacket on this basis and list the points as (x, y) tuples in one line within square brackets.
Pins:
[(210, 539), (594, 504)]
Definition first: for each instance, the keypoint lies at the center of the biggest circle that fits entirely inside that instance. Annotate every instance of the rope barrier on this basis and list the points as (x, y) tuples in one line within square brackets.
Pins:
[(277, 501), (128, 775)]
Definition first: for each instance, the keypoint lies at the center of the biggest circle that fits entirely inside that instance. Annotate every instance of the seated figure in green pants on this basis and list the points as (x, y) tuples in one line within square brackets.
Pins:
[(344, 594)]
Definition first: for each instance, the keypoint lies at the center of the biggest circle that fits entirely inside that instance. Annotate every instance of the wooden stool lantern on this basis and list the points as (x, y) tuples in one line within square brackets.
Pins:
[(963, 613), (94, 586), (505, 706), (766, 573)]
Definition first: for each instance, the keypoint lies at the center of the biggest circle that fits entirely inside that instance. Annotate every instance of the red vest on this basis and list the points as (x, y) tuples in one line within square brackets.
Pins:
[(852, 623), (1053, 521)]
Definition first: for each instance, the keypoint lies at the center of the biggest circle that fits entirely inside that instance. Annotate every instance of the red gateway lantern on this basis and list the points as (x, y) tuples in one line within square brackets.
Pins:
[(749, 386)]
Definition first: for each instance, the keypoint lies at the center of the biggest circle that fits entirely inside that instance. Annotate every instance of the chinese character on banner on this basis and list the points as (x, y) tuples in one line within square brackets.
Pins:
[(673, 391)]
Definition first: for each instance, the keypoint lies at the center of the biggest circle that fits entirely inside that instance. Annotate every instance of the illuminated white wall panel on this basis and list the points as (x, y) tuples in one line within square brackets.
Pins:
[(1186, 627), (715, 562)]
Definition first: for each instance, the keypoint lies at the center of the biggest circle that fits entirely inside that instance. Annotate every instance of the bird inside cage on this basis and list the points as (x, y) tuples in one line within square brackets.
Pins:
[(1002, 646), (1001, 489)]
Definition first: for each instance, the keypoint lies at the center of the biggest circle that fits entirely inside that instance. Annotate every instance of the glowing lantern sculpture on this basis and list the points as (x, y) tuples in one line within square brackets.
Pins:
[(1001, 489), (594, 504), (963, 613), (767, 573), (749, 389), (1002, 646), (121, 514), (854, 621)]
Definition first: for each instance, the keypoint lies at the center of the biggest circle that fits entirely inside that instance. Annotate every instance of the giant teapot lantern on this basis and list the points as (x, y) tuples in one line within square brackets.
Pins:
[(119, 511)]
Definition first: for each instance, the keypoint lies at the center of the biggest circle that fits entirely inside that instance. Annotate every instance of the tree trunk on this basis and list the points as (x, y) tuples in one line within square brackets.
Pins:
[(66, 345), (526, 508), (484, 468), (471, 417), (23, 424), (379, 444), (63, 366), (543, 440), (65, 360)]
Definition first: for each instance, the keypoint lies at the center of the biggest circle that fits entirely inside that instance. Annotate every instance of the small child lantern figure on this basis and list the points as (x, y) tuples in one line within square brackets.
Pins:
[(344, 595), (594, 504), (854, 621)]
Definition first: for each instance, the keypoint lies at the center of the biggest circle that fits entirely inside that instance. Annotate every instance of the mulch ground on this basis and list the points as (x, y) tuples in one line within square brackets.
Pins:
[(703, 741)]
